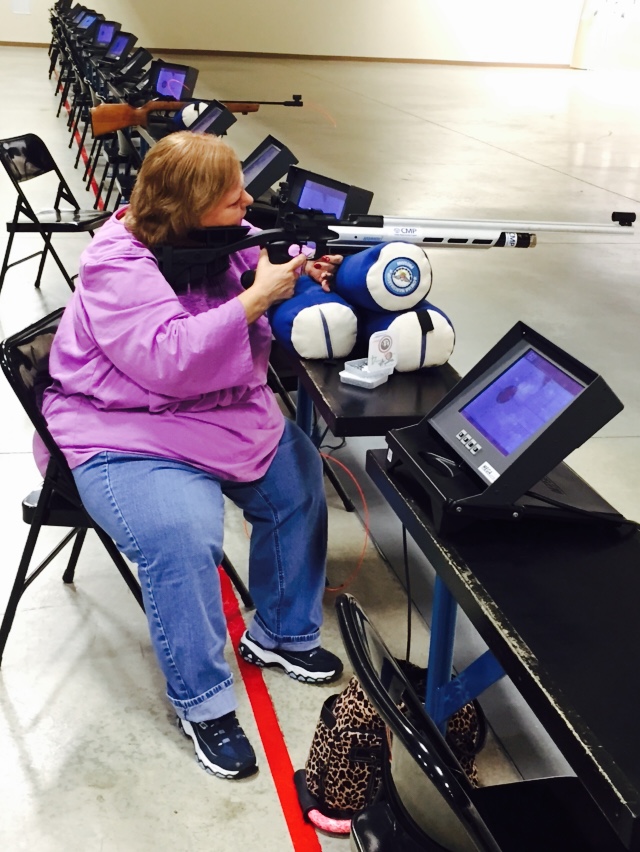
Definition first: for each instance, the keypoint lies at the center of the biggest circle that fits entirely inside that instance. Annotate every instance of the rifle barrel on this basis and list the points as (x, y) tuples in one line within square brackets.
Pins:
[(505, 225), (434, 235)]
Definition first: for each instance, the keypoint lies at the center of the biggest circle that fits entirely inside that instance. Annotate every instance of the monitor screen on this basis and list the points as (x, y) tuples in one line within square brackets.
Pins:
[(523, 391), (119, 44), (87, 20), (79, 15), (253, 168), (203, 122), (105, 34), (520, 402), (171, 82), (139, 58), (316, 196)]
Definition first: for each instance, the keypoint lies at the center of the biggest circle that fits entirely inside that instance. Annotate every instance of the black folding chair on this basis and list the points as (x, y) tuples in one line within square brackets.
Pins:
[(25, 158), (24, 358), (428, 804)]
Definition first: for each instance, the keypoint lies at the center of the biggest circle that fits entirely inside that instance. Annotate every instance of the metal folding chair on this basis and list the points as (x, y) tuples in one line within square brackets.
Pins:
[(24, 359), (26, 158)]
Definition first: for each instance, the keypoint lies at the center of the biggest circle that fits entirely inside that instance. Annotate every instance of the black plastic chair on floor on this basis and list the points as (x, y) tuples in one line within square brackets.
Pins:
[(428, 803), (26, 158), (24, 358)]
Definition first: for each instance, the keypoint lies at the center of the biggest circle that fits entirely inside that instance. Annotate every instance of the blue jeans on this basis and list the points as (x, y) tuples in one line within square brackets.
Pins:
[(168, 518)]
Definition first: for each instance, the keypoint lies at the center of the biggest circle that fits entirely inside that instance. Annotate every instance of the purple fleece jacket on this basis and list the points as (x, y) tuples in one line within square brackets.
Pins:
[(139, 369)]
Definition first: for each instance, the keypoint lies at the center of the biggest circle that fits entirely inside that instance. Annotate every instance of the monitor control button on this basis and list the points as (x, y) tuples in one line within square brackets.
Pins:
[(476, 449), (461, 434)]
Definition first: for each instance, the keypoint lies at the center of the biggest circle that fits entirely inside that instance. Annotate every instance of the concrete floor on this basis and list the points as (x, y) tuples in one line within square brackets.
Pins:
[(90, 757)]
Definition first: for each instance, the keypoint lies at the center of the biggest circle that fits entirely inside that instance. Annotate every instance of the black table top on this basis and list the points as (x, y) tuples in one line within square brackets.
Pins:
[(558, 605), (349, 411)]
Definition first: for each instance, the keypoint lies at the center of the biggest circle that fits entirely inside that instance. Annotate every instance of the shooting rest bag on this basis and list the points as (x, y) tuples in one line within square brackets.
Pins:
[(318, 325), (314, 324), (385, 277), (424, 336)]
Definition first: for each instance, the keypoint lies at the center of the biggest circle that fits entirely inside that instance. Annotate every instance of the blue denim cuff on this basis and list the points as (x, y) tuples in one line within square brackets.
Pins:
[(211, 705), (269, 640)]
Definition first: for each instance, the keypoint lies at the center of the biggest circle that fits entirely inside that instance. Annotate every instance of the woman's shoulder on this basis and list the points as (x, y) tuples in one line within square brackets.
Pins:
[(114, 240)]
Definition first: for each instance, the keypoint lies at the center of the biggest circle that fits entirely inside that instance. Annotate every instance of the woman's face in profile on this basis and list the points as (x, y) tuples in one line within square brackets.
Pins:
[(230, 210)]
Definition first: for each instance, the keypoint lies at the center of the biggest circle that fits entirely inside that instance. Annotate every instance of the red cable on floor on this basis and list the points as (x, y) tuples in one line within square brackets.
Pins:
[(303, 836), (365, 510)]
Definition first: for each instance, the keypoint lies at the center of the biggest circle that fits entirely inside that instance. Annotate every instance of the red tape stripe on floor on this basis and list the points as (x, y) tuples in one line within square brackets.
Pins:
[(84, 155), (303, 836), (85, 160)]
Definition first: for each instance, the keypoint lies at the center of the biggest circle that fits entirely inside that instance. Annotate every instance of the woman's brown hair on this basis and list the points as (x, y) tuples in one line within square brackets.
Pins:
[(181, 178)]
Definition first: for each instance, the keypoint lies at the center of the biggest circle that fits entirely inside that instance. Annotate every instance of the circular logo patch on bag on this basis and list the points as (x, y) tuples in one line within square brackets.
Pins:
[(401, 276)]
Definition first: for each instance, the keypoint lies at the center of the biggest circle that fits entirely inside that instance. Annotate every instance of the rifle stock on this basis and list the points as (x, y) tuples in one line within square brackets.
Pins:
[(107, 118)]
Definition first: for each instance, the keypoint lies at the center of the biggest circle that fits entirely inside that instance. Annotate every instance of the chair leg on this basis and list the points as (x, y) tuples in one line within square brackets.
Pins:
[(121, 565), (81, 144), (94, 165), (21, 581), (54, 255), (18, 587), (69, 572), (72, 117), (5, 261), (229, 569), (112, 182), (54, 59), (89, 162), (63, 97), (47, 248), (103, 180)]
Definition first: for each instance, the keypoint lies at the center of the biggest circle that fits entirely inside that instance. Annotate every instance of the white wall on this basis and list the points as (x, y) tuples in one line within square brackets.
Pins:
[(442, 30), (608, 36)]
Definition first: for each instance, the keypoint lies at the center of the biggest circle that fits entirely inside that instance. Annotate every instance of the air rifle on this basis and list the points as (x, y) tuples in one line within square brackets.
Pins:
[(107, 118), (210, 247), (359, 232)]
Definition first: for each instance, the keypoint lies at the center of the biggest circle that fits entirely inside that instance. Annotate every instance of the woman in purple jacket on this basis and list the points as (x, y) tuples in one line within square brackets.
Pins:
[(161, 406)]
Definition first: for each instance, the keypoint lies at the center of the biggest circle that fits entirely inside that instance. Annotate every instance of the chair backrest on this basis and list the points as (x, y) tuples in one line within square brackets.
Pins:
[(433, 791), (24, 358), (27, 157)]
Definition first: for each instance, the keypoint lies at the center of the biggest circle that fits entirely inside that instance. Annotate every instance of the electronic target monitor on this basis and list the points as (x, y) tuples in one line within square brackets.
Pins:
[(74, 13), (498, 434), (120, 47), (78, 14), (309, 191), (169, 80), (105, 32), (136, 62), (87, 20), (505, 410), (265, 165), (215, 119)]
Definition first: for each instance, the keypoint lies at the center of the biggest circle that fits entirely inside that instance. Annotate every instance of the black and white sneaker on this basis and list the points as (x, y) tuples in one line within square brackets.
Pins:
[(315, 666), (222, 747)]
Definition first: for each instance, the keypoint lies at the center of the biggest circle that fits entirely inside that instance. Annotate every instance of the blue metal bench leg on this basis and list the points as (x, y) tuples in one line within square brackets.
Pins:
[(444, 695), (304, 411), (443, 631)]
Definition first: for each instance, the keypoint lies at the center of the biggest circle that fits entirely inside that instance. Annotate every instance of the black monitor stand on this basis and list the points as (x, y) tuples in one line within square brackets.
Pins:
[(456, 498), (494, 446)]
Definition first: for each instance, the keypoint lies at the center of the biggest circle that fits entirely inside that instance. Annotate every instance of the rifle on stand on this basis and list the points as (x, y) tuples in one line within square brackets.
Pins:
[(109, 117), (210, 247)]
